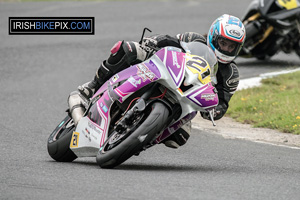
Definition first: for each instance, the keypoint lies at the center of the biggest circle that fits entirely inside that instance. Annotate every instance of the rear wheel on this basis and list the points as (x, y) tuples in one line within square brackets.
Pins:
[(123, 144), (59, 141), (252, 29)]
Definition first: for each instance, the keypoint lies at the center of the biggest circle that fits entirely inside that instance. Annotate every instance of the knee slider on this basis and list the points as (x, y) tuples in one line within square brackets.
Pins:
[(122, 50), (123, 55), (134, 52), (117, 53), (114, 50)]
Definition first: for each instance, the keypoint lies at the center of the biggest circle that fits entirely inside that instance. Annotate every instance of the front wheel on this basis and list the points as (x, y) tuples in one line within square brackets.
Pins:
[(122, 145), (59, 141)]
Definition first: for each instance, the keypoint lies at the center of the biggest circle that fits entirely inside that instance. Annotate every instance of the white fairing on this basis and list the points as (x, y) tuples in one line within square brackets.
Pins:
[(87, 138)]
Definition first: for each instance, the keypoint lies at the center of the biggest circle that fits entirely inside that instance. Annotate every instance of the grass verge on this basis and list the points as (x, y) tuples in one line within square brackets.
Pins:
[(275, 104)]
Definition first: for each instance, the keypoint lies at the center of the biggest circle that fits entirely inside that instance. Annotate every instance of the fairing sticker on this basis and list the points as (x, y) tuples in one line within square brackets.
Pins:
[(74, 140), (200, 66), (143, 74), (205, 97)]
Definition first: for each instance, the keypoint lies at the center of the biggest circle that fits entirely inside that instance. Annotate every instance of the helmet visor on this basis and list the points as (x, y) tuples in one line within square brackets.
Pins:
[(226, 46)]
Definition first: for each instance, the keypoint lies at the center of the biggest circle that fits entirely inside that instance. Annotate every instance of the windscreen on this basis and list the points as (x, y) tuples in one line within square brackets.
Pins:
[(200, 49)]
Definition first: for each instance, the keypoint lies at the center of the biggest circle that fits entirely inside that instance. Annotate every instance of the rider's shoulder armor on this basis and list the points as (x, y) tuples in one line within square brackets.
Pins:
[(228, 76)]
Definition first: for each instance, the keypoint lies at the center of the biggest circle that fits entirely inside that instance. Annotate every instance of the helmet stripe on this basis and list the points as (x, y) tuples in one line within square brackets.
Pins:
[(223, 33)]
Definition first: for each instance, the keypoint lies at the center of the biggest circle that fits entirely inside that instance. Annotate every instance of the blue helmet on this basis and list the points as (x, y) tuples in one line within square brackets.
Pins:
[(226, 30)]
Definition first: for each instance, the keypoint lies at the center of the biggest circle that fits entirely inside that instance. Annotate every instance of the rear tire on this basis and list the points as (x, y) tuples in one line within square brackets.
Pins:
[(59, 141), (121, 146), (252, 29)]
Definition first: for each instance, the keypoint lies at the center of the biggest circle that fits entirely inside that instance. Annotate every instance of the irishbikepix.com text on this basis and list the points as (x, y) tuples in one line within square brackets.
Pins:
[(51, 25)]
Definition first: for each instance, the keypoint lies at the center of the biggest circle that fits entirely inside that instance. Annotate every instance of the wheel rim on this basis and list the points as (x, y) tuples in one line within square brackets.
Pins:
[(116, 138), (65, 128)]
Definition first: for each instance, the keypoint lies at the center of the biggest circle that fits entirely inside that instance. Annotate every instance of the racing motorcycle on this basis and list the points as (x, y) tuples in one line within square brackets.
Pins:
[(140, 106), (271, 26)]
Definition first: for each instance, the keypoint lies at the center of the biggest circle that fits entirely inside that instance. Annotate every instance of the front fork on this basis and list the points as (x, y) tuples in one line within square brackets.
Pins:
[(139, 106)]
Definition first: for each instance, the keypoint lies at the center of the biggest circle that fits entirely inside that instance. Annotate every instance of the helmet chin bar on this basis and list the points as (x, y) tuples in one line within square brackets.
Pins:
[(223, 58)]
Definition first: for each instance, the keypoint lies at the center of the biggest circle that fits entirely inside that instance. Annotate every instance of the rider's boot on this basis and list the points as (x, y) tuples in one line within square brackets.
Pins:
[(178, 138), (123, 54), (78, 100)]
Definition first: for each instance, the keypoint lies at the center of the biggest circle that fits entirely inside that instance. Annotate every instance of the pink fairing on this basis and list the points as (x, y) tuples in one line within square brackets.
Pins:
[(116, 47)]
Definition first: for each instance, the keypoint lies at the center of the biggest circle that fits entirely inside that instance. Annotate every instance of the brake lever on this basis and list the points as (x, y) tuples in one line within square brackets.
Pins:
[(145, 29), (211, 115)]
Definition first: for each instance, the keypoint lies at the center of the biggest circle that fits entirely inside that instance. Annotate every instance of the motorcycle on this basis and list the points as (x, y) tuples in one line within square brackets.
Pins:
[(271, 26), (140, 106)]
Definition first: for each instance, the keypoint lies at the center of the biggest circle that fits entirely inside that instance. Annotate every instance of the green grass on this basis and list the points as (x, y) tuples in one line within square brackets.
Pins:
[(273, 105)]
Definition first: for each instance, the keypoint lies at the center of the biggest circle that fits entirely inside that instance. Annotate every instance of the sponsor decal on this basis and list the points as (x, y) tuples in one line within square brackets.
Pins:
[(208, 97), (145, 73), (93, 127), (105, 109), (87, 131), (235, 21), (134, 82), (115, 78), (175, 61), (235, 33), (74, 140), (87, 134), (51, 25)]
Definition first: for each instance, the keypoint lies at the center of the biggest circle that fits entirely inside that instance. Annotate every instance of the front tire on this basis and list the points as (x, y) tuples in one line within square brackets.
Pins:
[(59, 141), (121, 146)]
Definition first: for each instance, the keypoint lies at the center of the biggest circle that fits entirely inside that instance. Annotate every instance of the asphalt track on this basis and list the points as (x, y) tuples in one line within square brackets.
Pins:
[(38, 72)]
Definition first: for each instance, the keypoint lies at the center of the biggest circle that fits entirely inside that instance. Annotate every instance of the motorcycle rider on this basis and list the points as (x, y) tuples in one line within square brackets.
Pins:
[(225, 37)]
